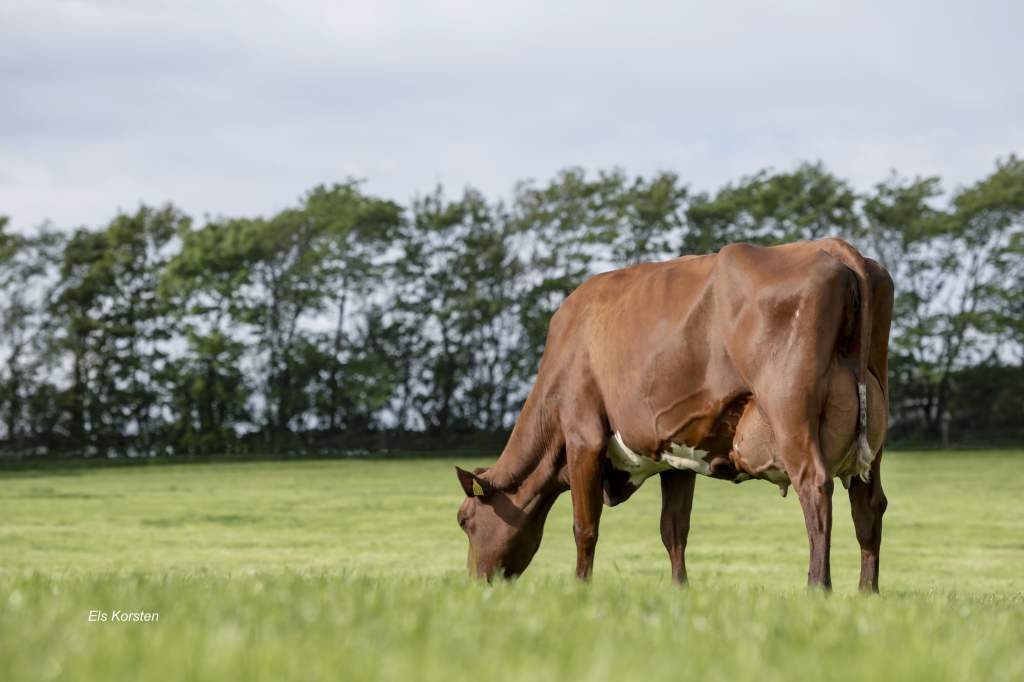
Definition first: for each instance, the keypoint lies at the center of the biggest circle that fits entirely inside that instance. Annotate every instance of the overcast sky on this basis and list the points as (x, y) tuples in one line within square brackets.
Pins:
[(236, 108)]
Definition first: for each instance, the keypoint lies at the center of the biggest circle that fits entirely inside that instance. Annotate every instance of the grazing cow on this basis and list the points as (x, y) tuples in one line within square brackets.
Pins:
[(755, 362)]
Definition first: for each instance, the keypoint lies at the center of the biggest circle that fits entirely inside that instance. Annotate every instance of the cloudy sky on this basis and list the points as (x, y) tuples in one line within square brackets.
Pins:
[(237, 108)]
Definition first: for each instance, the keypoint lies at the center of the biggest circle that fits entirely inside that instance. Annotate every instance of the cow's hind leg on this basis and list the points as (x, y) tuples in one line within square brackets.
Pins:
[(801, 455), (816, 500), (676, 503), (584, 451), (867, 504)]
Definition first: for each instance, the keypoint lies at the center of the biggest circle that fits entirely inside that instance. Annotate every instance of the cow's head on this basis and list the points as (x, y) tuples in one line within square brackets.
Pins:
[(503, 537)]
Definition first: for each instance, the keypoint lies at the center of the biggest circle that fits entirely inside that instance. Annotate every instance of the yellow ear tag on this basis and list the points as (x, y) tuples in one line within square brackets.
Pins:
[(478, 489)]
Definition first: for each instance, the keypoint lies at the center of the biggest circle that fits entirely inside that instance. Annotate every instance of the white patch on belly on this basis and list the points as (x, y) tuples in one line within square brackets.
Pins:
[(640, 467)]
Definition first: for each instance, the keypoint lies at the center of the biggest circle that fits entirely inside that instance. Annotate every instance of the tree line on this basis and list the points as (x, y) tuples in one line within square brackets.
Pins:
[(352, 320)]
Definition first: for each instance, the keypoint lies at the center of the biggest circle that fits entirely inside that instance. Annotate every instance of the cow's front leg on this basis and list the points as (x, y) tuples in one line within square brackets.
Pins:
[(584, 457), (867, 505), (676, 503)]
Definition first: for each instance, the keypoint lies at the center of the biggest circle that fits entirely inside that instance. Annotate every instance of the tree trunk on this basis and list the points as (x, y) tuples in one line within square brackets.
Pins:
[(335, 378)]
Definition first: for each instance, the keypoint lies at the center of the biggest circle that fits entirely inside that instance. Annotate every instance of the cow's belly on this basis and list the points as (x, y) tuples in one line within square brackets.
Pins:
[(755, 453), (640, 467)]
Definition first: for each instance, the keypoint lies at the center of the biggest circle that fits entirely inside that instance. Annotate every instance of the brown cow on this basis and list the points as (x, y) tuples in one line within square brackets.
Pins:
[(755, 362)]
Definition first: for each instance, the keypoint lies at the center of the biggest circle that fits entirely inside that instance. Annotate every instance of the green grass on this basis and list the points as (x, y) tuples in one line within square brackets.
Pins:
[(353, 569)]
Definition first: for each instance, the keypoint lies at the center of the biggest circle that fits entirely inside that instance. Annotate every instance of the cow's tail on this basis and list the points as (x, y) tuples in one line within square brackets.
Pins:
[(852, 259)]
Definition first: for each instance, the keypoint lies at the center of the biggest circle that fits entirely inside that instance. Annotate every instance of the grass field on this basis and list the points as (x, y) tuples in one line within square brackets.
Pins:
[(353, 570)]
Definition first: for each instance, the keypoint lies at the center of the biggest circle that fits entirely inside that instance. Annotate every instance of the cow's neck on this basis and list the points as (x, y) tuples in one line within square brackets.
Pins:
[(531, 472), (531, 467), (539, 490)]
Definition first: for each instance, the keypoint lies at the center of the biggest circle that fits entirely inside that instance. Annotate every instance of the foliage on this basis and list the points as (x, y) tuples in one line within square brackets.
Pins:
[(349, 314)]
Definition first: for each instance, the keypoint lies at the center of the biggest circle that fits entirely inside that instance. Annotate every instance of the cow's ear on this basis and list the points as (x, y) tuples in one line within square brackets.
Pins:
[(472, 484)]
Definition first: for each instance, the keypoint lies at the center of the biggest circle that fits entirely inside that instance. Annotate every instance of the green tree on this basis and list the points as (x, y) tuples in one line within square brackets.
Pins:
[(266, 283), (359, 237), (989, 217), (201, 285), (567, 229), (771, 208), (114, 326), (652, 219), (28, 267), (908, 235), (457, 286), (955, 270)]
